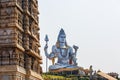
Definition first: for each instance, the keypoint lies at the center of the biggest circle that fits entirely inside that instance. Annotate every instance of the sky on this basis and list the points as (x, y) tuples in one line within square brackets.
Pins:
[(93, 25)]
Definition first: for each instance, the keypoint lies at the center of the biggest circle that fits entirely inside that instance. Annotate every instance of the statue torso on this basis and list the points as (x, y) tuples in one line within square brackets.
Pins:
[(63, 54)]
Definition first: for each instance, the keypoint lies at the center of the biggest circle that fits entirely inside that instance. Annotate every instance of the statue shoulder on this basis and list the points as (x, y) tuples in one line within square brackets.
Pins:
[(69, 47), (54, 47)]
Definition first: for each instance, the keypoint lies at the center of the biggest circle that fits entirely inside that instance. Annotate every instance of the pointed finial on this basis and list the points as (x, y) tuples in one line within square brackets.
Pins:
[(46, 38), (62, 31)]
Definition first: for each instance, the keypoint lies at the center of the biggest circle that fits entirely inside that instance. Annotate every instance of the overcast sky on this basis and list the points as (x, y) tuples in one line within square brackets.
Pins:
[(93, 25)]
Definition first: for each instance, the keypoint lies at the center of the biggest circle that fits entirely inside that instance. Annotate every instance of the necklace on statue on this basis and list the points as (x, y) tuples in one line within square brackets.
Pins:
[(63, 52)]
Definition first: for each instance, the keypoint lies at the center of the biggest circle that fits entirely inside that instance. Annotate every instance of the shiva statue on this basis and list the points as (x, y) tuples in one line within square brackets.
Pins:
[(64, 53)]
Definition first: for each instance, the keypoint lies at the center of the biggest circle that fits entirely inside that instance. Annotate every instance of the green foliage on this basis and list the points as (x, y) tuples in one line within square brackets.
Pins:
[(84, 78), (51, 76)]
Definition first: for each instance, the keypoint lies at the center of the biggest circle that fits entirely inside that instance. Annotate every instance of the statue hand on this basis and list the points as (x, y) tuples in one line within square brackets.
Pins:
[(46, 47), (75, 64), (75, 47), (57, 54)]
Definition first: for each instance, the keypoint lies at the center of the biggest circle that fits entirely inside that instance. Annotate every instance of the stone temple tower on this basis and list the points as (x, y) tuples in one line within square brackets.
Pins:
[(19, 40)]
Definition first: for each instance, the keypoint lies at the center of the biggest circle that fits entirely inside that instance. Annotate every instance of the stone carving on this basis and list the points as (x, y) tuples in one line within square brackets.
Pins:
[(4, 0), (28, 62), (35, 66), (64, 53), (5, 57), (8, 11), (6, 36), (21, 59), (5, 77), (5, 33), (15, 58)]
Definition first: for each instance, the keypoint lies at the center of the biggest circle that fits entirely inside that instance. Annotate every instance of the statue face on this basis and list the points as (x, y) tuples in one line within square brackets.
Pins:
[(62, 38)]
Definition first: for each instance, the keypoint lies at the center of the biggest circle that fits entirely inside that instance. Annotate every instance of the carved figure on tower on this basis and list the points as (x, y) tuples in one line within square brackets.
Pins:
[(62, 51)]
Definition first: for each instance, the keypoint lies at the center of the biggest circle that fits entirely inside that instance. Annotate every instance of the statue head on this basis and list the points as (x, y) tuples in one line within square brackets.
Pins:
[(61, 37)]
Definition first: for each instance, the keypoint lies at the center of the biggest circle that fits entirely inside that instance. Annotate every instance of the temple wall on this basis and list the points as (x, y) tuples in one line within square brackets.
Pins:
[(19, 40)]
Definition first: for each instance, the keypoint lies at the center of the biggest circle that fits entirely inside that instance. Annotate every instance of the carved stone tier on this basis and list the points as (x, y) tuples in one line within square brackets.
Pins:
[(12, 68), (32, 73), (32, 53), (15, 70)]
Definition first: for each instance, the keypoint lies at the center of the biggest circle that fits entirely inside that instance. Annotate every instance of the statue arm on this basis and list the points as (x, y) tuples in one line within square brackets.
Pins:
[(75, 48), (73, 56), (51, 55), (71, 52)]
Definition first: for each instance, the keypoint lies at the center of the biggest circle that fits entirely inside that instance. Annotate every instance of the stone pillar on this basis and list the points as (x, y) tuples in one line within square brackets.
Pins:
[(15, 58), (26, 29), (28, 63)]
